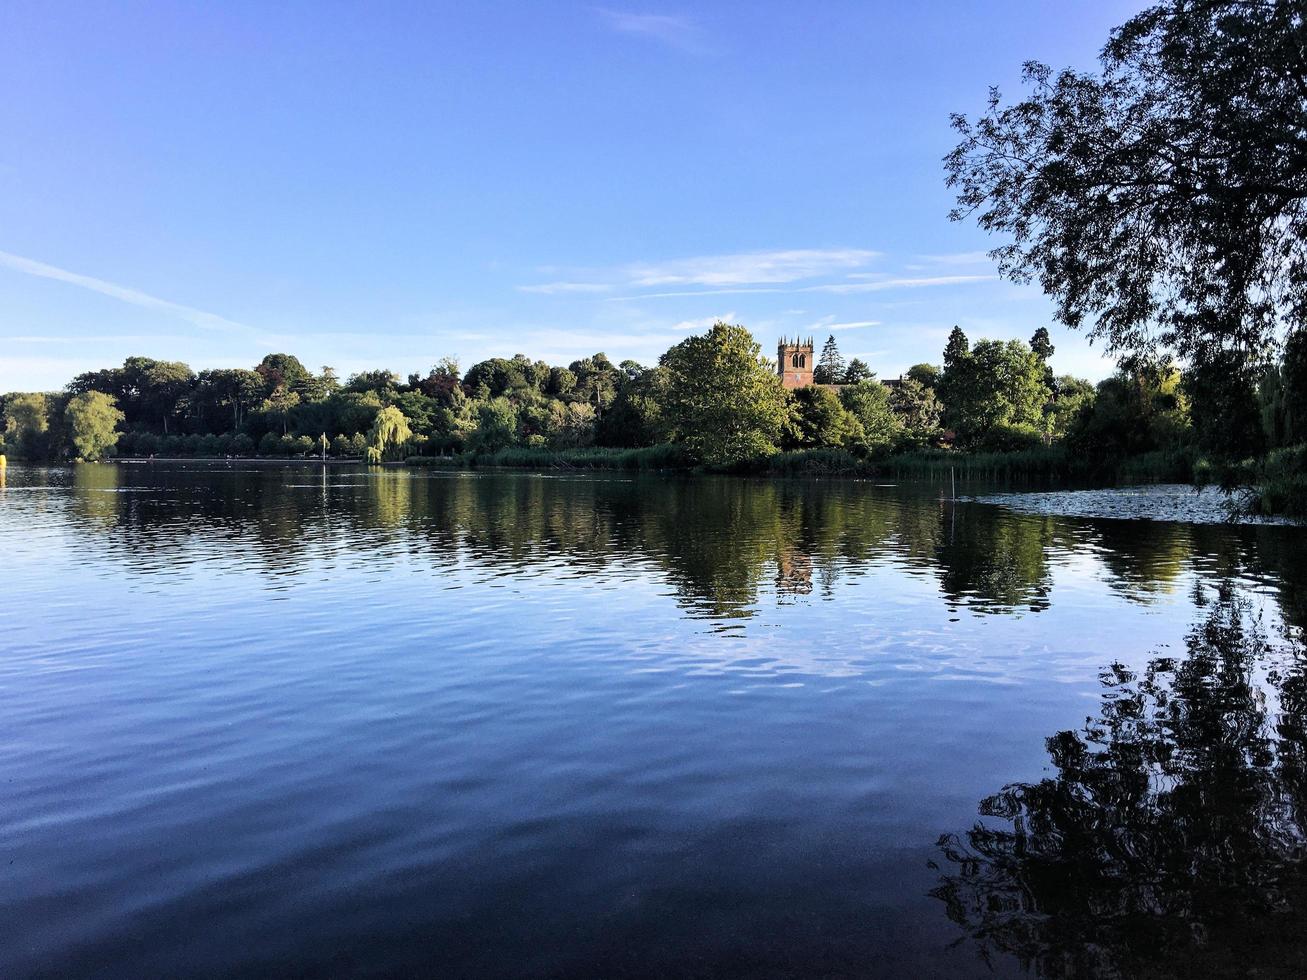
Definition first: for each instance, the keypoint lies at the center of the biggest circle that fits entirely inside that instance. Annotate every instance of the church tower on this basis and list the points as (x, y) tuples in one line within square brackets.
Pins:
[(794, 362)]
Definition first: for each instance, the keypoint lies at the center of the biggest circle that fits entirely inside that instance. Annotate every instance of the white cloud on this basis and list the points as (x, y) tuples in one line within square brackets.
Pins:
[(704, 322), (557, 288), (852, 325), (199, 318), (879, 285), (709, 275), (749, 268), (680, 293), (675, 32), (958, 258)]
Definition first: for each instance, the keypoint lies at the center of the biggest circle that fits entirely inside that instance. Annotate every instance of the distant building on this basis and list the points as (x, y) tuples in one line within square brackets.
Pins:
[(794, 362)]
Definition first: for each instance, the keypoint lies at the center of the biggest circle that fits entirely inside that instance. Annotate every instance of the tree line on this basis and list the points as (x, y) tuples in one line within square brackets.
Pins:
[(713, 396)]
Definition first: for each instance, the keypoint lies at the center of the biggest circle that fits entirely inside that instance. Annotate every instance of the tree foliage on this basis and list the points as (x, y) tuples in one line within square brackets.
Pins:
[(818, 419), (724, 401), (918, 410), (388, 434), (1162, 202), (27, 425), (869, 403), (858, 370), (990, 388), (92, 419), (830, 368)]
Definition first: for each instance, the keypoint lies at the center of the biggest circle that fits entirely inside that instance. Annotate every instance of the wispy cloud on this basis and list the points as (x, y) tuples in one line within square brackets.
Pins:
[(678, 293), (676, 32), (852, 325), (562, 288), (199, 318), (704, 322), (833, 323), (749, 268), (82, 340), (879, 285), (953, 260), (958, 258), (741, 272)]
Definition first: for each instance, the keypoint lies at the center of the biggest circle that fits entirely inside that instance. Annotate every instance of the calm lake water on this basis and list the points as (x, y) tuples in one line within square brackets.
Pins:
[(288, 721)]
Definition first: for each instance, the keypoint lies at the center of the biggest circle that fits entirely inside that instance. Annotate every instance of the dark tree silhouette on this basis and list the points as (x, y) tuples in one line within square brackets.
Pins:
[(1162, 202)]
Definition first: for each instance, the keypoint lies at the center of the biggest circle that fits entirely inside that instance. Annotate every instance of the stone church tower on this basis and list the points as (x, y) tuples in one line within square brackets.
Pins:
[(794, 362)]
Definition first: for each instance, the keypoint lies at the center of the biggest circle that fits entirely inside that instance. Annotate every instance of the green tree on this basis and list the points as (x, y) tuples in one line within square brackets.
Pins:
[(995, 386), (597, 380), (442, 383), (1074, 396), (918, 409), (1141, 408), (869, 403), (164, 385), (723, 400), (92, 419), (830, 367), (278, 406), (384, 383), (282, 370), (636, 416), (926, 375), (1041, 345), (956, 349), (819, 419), (500, 376), (858, 370), (576, 426), (495, 427), (27, 424), (388, 435), (561, 383), (230, 389)]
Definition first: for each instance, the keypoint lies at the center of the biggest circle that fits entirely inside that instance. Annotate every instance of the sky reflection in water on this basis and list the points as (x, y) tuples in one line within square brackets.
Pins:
[(493, 724)]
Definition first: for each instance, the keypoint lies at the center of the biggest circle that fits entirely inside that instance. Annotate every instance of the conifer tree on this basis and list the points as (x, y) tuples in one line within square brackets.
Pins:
[(830, 366)]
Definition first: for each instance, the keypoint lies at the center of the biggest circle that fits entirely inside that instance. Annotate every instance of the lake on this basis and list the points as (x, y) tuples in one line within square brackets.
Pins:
[(294, 721)]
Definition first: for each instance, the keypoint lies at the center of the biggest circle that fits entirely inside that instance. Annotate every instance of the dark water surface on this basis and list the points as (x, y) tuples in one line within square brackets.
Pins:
[(287, 721)]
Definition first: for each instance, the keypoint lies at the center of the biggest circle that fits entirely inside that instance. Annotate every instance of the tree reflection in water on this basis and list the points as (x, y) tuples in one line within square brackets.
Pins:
[(1172, 840)]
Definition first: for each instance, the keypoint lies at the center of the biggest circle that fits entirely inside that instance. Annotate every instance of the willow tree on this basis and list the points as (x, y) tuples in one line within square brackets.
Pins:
[(92, 419), (388, 434)]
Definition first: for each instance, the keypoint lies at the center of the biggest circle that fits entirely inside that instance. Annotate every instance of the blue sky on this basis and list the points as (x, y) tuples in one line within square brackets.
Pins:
[(384, 184)]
